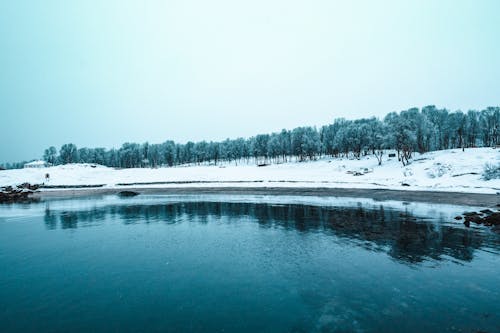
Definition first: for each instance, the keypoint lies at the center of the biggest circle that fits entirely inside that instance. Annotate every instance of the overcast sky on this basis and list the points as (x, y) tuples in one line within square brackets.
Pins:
[(100, 73)]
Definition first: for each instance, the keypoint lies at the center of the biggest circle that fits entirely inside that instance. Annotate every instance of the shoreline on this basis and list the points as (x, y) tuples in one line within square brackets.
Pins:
[(436, 197)]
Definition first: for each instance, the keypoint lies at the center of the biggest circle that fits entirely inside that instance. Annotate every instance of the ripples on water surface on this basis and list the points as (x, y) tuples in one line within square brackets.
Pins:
[(241, 265)]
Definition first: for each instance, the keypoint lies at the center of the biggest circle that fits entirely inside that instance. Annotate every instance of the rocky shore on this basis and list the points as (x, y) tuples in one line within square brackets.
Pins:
[(21, 193)]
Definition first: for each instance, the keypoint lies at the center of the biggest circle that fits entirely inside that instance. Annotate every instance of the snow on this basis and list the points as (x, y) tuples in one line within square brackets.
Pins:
[(36, 164), (448, 170)]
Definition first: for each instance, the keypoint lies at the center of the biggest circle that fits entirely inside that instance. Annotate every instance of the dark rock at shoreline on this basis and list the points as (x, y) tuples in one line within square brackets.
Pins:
[(10, 195), (28, 186), (486, 217), (127, 194), (469, 214), (492, 219), (476, 218)]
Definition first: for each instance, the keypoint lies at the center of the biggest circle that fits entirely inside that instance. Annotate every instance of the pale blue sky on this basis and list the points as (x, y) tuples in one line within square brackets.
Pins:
[(99, 73)]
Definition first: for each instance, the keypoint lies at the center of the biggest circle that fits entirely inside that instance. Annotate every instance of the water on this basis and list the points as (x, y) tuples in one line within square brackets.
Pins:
[(226, 265)]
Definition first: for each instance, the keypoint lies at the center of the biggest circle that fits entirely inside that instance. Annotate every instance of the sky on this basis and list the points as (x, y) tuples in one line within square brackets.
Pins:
[(101, 73)]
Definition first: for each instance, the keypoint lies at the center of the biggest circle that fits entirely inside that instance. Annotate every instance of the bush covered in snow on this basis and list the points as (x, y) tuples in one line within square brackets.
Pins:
[(491, 171)]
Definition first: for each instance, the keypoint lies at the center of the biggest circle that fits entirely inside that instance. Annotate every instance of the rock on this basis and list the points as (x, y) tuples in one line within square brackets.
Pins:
[(28, 186), (127, 194), (10, 195), (470, 214), (487, 217), (458, 217), (473, 217), (405, 184), (467, 223), (493, 219), (476, 219)]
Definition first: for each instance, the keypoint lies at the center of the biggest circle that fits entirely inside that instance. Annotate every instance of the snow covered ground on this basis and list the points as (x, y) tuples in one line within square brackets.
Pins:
[(449, 170)]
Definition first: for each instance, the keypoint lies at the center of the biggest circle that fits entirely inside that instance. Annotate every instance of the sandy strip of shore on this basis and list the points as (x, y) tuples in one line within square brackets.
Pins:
[(455, 198)]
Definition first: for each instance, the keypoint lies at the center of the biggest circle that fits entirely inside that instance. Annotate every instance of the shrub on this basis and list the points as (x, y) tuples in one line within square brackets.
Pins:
[(491, 171)]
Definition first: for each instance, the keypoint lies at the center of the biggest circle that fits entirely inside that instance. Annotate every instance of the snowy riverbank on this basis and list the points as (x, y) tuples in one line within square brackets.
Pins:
[(449, 171)]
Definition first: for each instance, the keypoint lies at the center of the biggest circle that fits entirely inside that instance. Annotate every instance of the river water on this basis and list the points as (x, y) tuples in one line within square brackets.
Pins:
[(245, 264)]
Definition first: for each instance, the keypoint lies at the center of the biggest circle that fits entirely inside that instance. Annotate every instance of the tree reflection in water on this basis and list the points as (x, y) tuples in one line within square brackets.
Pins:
[(403, 236)]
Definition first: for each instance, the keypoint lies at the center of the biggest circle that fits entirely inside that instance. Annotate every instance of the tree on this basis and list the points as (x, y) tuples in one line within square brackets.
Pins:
[(402, 137), (50, 155), (490, 122), (169, 153), (130, 155), (274, 147), (260, 148), (377, 138), (408, 131), (457, 124), (472, 128), (438, 120), (68, 154)]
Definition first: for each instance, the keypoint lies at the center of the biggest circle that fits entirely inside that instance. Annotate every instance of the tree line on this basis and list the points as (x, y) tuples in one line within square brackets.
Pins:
[(406, 132)]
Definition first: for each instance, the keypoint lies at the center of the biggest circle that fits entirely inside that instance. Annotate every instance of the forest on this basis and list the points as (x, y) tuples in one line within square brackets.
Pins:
[(406, 132)]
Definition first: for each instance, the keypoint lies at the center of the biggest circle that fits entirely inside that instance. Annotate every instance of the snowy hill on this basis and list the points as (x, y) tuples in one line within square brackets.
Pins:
[(449, 170)]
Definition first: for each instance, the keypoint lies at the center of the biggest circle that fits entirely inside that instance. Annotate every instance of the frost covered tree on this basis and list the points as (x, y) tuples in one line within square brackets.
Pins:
[(438, 120), (457, 125), (274, 147), (408, 131), (68, 153), (260, 148), (490, 125), (50, 155), (130, 155), (401, 137), (168, 151)]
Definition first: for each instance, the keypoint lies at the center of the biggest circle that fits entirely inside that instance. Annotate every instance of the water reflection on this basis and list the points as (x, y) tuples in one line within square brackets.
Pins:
[(405, 237)]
